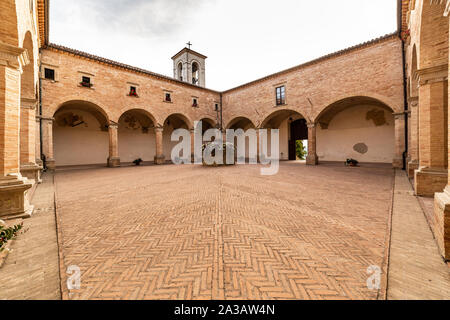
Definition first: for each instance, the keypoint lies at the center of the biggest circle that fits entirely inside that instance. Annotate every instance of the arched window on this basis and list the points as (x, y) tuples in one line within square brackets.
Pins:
[(180, 71), (195, 73)]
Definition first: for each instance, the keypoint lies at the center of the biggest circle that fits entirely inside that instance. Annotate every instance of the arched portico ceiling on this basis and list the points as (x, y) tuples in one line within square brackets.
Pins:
[(325, 117), (86, 106), (145, 118), (240, 123), (178, 120), (275, 119), (433, 44)]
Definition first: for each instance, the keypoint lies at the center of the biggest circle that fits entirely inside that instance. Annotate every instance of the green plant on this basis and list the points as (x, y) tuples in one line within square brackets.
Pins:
[(300, 150), (7, 234)]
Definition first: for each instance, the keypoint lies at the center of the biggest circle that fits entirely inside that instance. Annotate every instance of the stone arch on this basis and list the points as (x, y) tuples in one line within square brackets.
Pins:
[(173, 122), (181, 117), (80, 134), (433, 44), (9, 32), (207, 123), (292, 127), (359, 127), (240, 122), (136, 136), (28, 88)]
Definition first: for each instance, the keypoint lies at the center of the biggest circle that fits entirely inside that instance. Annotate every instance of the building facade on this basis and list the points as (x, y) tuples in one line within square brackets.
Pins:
[(384, 101)]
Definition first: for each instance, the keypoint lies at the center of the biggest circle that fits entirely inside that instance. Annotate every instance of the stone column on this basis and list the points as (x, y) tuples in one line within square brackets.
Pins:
[(431, 177), (192, 145), (441, 214), (312, 158), (413, 163), (38, 140), (47, 142), (113, 159), (28, 166), (159, 158), (399, 139), (13, 187)]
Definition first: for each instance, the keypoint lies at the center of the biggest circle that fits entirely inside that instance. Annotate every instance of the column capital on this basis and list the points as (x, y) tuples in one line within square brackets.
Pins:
[(113, 125), (413, 101), (311, 125), (159, 128), (46, 119), (13, 56), (433, 74), (399, 115), (28, 103)]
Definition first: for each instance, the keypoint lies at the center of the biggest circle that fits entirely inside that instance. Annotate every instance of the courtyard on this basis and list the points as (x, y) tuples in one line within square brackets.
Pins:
[(192, 232)]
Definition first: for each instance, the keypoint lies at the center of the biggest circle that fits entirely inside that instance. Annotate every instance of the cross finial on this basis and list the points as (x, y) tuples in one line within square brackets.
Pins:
[(189, 45)]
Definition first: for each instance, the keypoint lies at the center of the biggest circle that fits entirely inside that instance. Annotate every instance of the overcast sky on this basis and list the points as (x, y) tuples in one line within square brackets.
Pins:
[(243, 39)]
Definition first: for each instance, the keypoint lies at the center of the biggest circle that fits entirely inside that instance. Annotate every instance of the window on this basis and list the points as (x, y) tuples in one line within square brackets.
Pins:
[(194, 102), (86, 82), (49, 74), (216, 107), (195, 73), (168, 98), (281, 95), (133, 91), (180, 71)]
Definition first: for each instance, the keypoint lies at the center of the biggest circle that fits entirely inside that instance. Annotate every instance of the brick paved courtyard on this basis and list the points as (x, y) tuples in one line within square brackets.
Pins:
[(191, 232)]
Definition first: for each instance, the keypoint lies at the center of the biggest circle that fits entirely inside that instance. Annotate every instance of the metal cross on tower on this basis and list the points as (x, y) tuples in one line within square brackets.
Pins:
[(189, 45)]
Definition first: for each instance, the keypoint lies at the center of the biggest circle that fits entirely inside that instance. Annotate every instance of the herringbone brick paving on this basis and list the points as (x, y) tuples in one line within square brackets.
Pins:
[(191, 232)]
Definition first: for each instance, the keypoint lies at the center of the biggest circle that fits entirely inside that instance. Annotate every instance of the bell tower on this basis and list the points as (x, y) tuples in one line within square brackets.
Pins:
[(189, 66)]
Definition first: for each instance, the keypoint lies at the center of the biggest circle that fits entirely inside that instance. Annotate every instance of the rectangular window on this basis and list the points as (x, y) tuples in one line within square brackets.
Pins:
[(49, 74), (168, 97), (281, 95), (86, 82), (216, 107), (133, 91), (194, 102)]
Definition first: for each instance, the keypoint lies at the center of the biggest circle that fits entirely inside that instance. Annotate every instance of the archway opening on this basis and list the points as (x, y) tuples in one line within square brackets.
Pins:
[(172, 123), (195, 73), (207, 124), (293, 133), (136, 136), (180, 71), (360, 128), (80, 134)]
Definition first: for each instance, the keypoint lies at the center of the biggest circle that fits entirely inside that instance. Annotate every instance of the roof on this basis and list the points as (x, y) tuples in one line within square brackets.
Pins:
[(189, 51), (43, 21), (323, 58), (55, 47)]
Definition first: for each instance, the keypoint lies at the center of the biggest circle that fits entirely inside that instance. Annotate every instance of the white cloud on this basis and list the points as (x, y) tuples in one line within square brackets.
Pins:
[(244, 39)]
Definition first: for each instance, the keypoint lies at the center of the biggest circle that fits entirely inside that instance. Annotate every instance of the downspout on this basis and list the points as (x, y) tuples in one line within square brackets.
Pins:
[(405, 92), (40, 119), (221, 113)]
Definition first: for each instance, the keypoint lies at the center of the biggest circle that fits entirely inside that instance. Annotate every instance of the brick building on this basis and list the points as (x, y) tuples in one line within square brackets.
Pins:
[(384, 101)]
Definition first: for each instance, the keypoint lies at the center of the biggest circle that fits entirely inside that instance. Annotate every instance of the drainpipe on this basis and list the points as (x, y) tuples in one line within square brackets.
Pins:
[(405, 92), (40, 117), (221, 113)]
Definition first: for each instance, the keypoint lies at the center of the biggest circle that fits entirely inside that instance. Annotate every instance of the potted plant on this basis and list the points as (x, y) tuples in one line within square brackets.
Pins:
[(351, 163)]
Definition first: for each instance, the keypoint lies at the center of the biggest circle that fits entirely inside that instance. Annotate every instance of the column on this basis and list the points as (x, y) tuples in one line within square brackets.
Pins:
[(312, 159), (113, 159), (192, 145), (47, 143), (159, 158), (13, 187), (28, 166), (38, 140), (413, 163), (431, 177), (399, 140), (441, 216)]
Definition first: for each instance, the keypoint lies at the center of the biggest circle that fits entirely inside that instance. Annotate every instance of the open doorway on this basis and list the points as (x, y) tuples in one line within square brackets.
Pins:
[(298, 140)]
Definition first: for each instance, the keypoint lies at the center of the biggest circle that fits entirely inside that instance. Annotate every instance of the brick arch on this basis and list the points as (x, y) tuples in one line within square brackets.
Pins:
[(283, 113), (50, 110), (182, 116), (235, 120), (208, 119), (9, 32), (100, 114), (28, 88), (142, 111), (433, 50), (373, 97)]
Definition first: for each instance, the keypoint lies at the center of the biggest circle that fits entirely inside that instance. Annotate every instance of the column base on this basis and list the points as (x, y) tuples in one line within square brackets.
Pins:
[(413, 165), (440, 223), (113, 162), (13, 199), (160, 160), (50, 164), (31, 171), (397, 163), (312, 160), (428, 181)]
